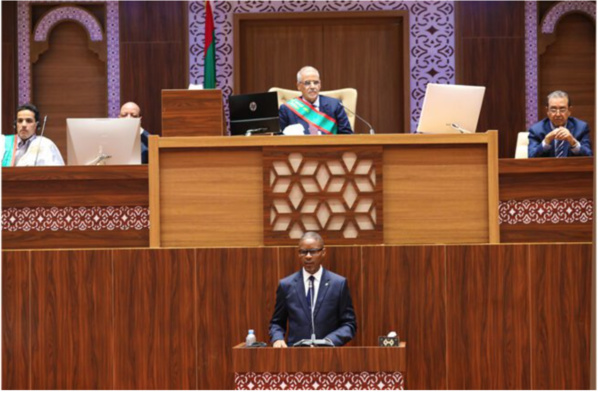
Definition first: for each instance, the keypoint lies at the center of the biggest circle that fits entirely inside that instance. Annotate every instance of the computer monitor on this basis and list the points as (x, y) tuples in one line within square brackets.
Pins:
[(450, 109), (103, 141), (254, 114)]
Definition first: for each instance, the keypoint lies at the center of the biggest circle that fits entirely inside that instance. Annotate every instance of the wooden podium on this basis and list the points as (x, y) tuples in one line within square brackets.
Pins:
[(339, 368), (192, 113)]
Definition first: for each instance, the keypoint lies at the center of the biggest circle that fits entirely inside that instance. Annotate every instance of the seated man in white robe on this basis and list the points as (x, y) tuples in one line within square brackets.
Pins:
[(26, 148)]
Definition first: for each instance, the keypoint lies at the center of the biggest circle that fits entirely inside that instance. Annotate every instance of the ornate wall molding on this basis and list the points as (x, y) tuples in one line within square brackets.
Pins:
[(540, 211), (57, 15), (531, 63), (95, 218), (431, 40), (552, 17), (92, 26)]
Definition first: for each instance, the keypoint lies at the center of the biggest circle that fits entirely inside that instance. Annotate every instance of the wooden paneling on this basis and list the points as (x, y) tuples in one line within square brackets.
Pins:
[(57, 79), (223, 201), (488, 309), (416, 181), (547, 179), (153, 54), (74, 186), (236, 292), (569, 64), (16, 341), (335, 44), (154, 319), (9, 65), (72, 337), (192, 113), (404, 291), (323, 360), (561, 301), (490, 51)]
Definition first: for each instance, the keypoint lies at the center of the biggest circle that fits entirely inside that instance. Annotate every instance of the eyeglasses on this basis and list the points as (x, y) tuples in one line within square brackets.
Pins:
[(311, 251), (308, 83), (554, 110)]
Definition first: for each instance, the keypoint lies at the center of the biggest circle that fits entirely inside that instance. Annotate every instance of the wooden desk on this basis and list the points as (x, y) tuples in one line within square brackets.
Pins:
[(75, 207), (344, 368), (546, 199), (353, 189)]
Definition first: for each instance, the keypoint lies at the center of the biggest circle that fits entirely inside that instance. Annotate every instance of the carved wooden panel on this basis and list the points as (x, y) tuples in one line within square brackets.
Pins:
[(333, 191)]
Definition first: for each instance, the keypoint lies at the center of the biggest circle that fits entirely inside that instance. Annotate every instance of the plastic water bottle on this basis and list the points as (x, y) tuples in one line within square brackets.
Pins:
[(250, 339)]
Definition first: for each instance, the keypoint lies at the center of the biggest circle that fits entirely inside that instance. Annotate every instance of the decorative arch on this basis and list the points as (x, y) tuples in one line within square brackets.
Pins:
[(553, 16), (60, 14)]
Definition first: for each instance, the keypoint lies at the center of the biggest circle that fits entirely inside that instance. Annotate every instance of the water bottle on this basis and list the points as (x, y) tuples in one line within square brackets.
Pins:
[(250, 339)]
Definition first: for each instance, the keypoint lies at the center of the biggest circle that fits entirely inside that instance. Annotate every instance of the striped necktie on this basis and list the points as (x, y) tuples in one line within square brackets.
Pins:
[(560, 149)]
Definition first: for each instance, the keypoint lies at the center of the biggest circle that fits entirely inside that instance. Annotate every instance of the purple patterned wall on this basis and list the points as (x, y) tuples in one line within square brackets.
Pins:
[(431, 41), (90, 23)]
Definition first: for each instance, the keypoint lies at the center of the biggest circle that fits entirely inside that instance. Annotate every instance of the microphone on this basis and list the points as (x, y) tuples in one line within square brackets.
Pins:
[(311, 306), (39, 145), (372, 132)]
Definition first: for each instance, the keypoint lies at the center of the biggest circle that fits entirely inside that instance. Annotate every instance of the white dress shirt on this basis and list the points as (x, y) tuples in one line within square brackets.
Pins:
[(317, 281)]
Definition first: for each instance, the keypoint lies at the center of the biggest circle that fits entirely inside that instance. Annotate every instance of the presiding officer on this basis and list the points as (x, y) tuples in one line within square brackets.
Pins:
[(334, 317), (316, 113), (559, 135)]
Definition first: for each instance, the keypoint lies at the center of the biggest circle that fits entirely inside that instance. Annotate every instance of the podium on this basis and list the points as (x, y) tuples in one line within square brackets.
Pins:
[(338, 368)]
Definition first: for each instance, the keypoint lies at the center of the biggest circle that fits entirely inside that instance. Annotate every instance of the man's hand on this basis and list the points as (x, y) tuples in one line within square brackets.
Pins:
[(551, 136), (563, 134), (279, 344)]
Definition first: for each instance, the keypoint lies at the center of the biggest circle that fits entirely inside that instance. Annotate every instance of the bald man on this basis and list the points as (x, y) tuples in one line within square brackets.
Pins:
[(131, 109)]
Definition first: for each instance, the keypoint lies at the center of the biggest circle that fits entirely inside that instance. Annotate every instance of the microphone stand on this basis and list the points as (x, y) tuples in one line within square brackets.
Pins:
[(41, 137), (372, 132)]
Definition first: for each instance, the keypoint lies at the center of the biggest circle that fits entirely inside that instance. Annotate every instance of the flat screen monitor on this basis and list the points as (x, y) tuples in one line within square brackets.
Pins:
[(450, 109), (103, 141), (256, 113)]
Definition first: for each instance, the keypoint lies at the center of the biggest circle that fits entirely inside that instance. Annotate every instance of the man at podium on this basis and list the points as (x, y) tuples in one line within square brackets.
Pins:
[(314, 301)]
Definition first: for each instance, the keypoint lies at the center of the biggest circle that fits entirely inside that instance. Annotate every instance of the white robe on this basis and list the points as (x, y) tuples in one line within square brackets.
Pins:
[(49, 155)]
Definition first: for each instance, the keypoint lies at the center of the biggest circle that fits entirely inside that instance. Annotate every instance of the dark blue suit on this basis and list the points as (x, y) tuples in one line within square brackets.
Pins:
[(330, 106), (334, 316), (144, 146), (578, 128)]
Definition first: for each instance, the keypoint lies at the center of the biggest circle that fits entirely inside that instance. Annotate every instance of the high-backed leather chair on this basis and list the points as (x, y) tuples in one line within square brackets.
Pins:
[(522, 143), (347, 96)]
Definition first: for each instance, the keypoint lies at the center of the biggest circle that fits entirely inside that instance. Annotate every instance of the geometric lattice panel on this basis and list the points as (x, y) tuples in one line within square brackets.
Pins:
[(334, 191)]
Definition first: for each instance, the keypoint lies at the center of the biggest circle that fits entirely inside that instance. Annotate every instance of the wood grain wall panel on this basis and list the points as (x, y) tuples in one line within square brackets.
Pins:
[(236, 292), (404, 290), (20, 240), (72, 339), (75, 193), (57, 79), (415, 179), (488, 310), (490, 51), (380, 93), (154, 320), (546, 233), (295, 43), (153, 54), (228, 186), (569, 64), (16, 349), (546, 186), (9, 65), (561, 307)]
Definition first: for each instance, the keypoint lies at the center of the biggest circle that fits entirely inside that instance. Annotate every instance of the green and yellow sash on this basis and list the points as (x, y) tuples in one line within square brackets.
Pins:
[(10, 148), (312, 116)]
